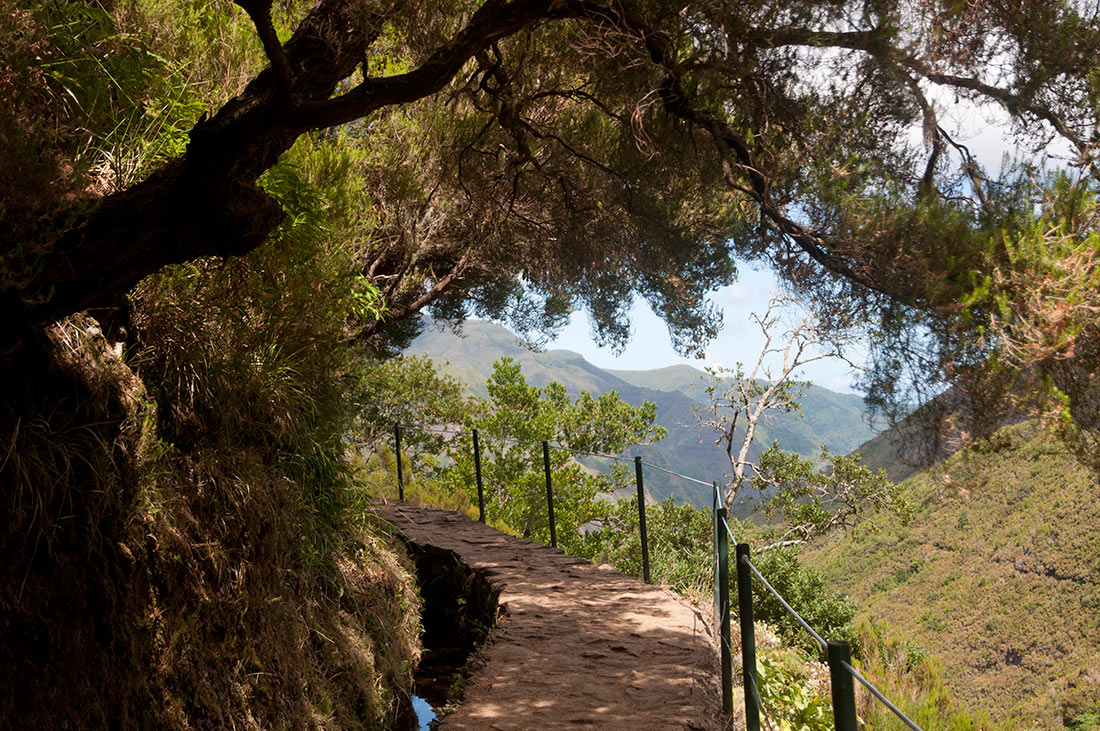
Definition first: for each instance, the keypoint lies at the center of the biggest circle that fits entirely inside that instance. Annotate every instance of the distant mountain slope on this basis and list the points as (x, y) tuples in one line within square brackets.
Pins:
[(998, 576), (682, 378), (931, 433), (470, 357), (883, 451), (833, 419)]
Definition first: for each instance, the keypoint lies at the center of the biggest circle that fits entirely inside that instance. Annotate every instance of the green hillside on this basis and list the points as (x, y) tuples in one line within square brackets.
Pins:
[(884, 451), (682, 378), (830, 418), (904, 449), (998, 576), (835, 420), (469, 357)]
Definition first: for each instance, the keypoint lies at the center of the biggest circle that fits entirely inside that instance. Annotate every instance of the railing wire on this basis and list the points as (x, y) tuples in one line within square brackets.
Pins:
[(677, 474), (455, 431), (431, 429), (750, 681), (597, 454), (729, 532), (820, 640), (824, 645), (878, 694)]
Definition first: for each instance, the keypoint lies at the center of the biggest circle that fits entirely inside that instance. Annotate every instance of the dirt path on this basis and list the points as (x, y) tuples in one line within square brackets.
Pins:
[(580, 645)]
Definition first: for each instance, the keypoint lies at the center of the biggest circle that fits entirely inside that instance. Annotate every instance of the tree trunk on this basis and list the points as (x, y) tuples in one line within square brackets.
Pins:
[(207, 203)]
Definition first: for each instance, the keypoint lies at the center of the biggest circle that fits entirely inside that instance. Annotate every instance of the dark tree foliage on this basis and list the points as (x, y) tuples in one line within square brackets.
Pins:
[(528, 157), (533, 156)]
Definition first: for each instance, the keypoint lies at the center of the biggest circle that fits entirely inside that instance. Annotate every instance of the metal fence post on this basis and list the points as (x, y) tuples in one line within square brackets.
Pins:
[(724, 618), (748, 636), (477, 471), (844, 692), (397, 450), (549, 493), (714, 521), (641, 518)]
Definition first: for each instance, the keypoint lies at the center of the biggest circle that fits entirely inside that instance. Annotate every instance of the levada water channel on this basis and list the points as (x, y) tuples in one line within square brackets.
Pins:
[(459, 608)]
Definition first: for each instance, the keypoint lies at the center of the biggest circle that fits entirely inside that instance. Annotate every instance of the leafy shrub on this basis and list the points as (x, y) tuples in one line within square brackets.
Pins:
[(912, 679), (513, 422), (790, 701), (1085, 722), (680, 545), (827, 611)]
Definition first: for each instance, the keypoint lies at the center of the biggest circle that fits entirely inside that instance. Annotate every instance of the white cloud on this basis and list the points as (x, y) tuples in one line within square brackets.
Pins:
[(710, 360), (737, 293)]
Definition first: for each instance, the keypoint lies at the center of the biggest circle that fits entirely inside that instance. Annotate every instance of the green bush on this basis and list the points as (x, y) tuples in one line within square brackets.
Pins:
[(790, 700), (1085, 722), (914, 681), (680, 545), (828, 612)]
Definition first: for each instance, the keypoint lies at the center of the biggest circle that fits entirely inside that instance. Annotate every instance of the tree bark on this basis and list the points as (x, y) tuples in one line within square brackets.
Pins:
[(208, 203), (205, 203)]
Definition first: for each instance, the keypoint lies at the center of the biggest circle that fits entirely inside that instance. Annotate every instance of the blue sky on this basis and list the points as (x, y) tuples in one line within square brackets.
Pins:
[(984, 128), (740, 339)]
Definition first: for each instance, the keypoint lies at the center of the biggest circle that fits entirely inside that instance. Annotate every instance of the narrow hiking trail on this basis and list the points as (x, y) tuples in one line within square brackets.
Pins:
[(578, 645)]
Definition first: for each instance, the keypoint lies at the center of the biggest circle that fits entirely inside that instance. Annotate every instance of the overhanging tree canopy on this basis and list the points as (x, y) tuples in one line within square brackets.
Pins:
[(567, 152)]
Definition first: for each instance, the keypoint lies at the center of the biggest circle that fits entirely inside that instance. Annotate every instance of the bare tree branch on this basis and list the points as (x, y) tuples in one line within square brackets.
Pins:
[(740, 402), (260, 13)]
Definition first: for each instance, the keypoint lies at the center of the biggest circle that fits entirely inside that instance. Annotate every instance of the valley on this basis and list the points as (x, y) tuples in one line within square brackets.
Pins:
[(833, 419), (997, 575)]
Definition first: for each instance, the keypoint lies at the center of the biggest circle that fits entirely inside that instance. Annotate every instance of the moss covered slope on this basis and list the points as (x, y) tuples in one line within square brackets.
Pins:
[(181, 566)]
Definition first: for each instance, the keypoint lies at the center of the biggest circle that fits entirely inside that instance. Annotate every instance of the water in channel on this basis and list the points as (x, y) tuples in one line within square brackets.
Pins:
[(424, 713), (459, 608)]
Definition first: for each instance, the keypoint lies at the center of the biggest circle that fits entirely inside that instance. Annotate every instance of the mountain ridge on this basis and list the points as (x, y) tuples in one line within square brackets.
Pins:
[(831, 418)]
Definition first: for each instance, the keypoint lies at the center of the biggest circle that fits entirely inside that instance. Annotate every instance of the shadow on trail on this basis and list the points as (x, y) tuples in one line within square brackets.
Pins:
[(579, 645)]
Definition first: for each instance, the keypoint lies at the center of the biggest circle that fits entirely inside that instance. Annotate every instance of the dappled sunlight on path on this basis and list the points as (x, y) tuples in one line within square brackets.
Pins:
[(579, 645)]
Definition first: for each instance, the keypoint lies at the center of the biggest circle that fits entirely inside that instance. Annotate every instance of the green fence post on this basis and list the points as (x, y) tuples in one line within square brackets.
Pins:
[(724, 618), (748, 636), (397, 450), (641, 518), (844, 691), (714, 522), (477, 471), (549, 493)]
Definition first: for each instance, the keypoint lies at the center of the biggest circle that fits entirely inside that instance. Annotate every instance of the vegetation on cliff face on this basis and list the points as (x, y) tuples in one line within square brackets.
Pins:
[(185, 545), (997, 577)]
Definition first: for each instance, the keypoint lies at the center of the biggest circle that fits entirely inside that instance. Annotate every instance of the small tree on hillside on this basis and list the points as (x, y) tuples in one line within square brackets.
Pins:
[(514, 421), (411, 391), (811, 502)]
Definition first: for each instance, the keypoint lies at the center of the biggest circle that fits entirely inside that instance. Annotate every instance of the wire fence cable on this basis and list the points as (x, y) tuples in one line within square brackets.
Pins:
[(878, 694), (458, 430), (824, 645), (750, 681), (677, 474), (820, 640)]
